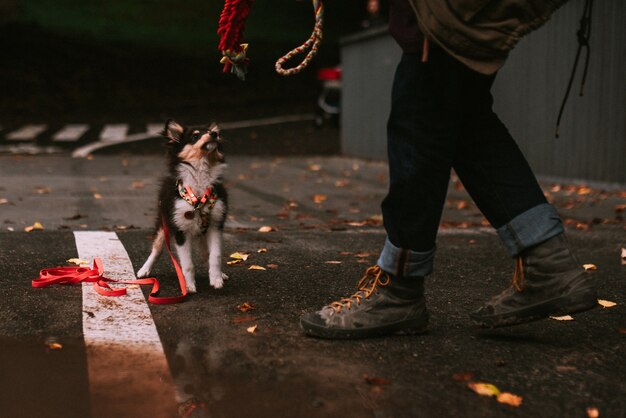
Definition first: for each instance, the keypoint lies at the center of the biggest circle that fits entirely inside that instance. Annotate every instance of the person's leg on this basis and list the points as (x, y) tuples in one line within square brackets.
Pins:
[(423, 129), (548, 279)]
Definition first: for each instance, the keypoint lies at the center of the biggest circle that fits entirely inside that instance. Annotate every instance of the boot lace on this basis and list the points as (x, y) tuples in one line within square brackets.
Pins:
[(374, 277), (518, 275)]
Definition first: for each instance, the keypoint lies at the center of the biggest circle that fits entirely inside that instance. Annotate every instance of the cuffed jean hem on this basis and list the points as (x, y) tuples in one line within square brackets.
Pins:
[(401, 262), (532, 227)]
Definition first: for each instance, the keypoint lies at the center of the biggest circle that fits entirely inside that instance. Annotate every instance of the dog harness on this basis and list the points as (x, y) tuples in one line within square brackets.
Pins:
[(186, 192)]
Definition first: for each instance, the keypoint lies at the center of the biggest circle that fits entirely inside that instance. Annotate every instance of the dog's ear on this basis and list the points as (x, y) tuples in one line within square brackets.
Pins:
[(172, 131)]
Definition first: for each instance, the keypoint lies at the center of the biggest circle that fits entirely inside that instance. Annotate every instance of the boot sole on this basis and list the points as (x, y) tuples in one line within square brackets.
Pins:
[(574, 303), (408, 327)]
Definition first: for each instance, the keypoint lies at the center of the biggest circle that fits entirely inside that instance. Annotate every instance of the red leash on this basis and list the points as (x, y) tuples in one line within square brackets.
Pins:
[(72, 275)]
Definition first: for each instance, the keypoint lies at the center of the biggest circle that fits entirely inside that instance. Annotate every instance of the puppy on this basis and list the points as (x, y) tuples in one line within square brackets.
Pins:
[(192, 200)]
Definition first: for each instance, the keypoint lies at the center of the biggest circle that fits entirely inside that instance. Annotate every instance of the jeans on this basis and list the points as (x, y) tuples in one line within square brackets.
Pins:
[(442, 118)]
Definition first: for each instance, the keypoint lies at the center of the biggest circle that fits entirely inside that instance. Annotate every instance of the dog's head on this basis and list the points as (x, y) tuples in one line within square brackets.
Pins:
[(193, 143)]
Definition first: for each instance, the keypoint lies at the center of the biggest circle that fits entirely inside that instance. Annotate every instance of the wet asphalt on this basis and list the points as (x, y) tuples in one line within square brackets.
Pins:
[(324, 211)]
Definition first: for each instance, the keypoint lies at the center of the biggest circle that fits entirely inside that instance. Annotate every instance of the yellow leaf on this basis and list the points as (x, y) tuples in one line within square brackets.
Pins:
[(509, 399), (240, 256), (52, 344), (252, 329), (562, 318), (255, 267), (266, 229), (77, 261), (590, 267), (34, 227), (232, 262), (484, 389), (606, 303), (97, 196)]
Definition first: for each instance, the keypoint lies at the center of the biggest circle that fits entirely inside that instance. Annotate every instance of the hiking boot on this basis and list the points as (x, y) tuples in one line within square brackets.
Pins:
[(382, 305), (547, 281)]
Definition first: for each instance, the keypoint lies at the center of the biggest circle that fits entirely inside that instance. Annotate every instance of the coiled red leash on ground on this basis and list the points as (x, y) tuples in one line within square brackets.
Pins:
[(230, 30), (73, 275)]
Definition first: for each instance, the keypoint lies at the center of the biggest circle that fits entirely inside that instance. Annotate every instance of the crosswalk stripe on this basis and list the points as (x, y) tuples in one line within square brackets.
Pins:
[(114, 132), (70, 133), (26, 133), (121, 340)]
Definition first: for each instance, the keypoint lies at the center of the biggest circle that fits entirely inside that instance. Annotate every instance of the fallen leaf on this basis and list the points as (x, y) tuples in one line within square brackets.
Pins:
[(97, 196), (342, 183), (593, 412), (52, 344), (34, 227), (565, 369), (77, 261), (272, 266), (319, 198), (233, 262), (255, 267), (43, 190), (245, 307), (252, 329), (620, 208), (261, 250), (584, 190), (4, 201), (332, 262), (315, 167), (266, 229), (138, 184), (484, 389), (606, 303), (509, 399), (373, 380), (562, 318), (362, 223), (590, 267), (239, 256)]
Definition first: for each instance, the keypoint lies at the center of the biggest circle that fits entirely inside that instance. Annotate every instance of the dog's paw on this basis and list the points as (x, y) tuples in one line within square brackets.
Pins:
[(191, 288), (217, 280), (143, 272)]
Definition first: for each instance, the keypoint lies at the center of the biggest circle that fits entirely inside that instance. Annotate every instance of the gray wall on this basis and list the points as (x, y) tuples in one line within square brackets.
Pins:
[(528, 93)]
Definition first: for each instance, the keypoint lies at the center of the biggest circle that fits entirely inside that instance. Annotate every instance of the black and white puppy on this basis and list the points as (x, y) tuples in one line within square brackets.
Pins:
[(192, 200)]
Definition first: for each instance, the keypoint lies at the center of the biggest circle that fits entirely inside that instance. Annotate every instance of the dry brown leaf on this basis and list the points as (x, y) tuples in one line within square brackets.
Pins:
[(509, 399), (255, 267), (562, 318), (272, 266), (315, 167), (261, 250), (319, 198), (606, 303), (52, 344), (593, 412), (245, 307), (97, 196), (484, 389), (332, 262), (584, 190), (239, 256), (590, 267), (34, 227), (137, 184), (252, 329), (266, 229), (233, 262)]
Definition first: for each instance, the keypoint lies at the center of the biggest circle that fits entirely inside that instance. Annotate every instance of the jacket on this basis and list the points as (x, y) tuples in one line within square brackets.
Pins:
[(480, 33)]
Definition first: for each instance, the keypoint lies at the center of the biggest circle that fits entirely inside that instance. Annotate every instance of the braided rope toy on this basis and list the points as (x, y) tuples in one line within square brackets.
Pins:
[(230, 30)]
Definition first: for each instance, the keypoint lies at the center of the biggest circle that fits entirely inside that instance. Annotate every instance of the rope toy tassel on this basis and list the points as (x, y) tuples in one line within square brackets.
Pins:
[(313, 43), (230, 29)]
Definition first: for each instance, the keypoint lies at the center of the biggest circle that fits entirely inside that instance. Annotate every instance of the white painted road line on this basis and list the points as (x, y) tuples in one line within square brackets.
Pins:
[(26, 133), (154, 128), (70, 133), (128, 371), (250, 123), (114, 132)]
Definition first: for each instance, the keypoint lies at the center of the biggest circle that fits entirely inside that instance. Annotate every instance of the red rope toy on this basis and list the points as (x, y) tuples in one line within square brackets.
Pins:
[(230, 30)]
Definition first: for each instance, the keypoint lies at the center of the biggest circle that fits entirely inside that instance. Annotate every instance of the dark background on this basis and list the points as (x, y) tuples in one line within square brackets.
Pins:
[(101, 61)]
